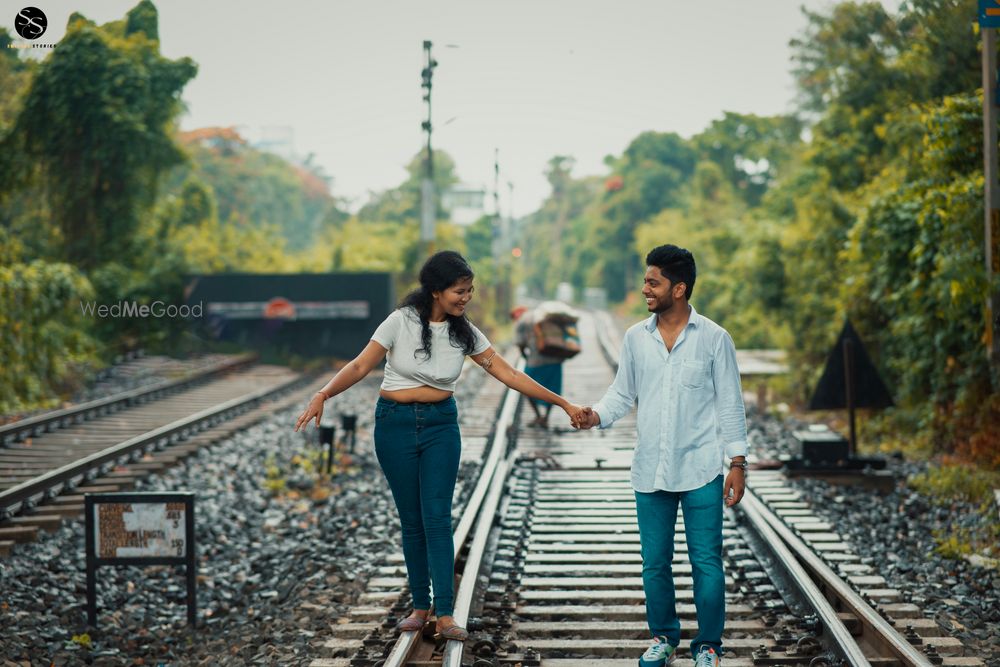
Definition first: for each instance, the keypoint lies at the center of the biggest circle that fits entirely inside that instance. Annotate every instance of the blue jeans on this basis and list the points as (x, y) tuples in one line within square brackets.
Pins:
[(657, 514), (418, 446)]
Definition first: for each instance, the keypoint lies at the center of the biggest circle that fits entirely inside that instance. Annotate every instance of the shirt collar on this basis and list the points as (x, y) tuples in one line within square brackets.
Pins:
[(694, 319)]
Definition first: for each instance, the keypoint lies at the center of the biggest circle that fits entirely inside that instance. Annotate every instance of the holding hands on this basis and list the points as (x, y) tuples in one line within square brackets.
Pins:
[(573, 411), (585, 418)]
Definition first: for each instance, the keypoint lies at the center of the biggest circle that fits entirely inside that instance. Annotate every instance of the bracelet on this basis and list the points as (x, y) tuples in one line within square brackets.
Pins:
[(323, 394)]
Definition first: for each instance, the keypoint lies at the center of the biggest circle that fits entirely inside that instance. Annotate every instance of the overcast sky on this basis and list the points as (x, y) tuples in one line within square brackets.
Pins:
[(534, 78)]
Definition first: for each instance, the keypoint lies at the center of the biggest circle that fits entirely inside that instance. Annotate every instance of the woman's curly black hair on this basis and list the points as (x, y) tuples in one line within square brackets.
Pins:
[(441, 271)]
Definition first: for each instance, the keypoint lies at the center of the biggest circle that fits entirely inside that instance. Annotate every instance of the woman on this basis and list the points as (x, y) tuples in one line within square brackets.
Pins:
[(425, 342)]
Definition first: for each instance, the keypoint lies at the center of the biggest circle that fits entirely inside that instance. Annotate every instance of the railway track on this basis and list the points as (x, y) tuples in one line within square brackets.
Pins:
[(48, 461), (550, 572), (37, 424)]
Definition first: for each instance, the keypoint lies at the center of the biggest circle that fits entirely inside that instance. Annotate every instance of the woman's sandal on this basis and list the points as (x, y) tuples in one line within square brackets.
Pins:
[(411, 624), (454, 632)]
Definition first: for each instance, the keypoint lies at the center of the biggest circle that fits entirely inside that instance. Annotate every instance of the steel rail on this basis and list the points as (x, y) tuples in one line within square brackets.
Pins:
[(845, 644), (50, 421), (408, 641), (875, 628), (49, 484), (473, 563)]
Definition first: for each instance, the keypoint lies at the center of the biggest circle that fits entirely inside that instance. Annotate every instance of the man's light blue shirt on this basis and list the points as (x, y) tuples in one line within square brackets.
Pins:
[(691, 415)]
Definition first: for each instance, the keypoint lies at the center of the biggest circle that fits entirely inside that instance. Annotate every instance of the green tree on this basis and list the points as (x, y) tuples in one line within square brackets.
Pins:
[(257, 188), (44, 344), (403, 203), (97, 121), (753, 151), (553, 237), (915, 259)]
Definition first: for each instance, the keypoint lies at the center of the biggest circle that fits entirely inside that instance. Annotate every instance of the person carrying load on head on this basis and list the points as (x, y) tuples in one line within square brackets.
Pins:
[(547, 336)]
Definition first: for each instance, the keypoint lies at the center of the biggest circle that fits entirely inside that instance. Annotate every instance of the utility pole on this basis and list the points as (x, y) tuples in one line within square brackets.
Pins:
[(510, 217), (428, 207), (991, 203), (500, 261), (497, 220), (508, 247)]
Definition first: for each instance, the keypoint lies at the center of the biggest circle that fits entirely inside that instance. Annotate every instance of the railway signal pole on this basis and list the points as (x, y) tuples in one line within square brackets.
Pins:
[(497, 245), (428, 209)]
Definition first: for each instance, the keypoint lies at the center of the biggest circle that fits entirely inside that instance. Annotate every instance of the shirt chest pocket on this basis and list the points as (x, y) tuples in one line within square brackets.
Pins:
[(694, 374)]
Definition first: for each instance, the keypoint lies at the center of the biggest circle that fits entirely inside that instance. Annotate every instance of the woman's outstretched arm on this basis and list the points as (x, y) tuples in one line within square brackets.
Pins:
[(346, 377), (498, 367)]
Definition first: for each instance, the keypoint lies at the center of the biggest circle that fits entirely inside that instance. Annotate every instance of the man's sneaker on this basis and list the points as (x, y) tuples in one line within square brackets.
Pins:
[(707, 657), (659, 654)]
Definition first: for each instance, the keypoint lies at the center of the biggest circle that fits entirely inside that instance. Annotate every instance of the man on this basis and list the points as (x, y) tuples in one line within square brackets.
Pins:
[(681, 367)]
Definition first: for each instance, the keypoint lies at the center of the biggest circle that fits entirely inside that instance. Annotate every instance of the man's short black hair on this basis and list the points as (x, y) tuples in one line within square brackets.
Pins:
[(676, 264)]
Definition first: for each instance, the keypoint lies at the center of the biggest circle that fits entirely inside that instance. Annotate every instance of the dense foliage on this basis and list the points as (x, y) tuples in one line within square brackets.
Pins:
[(866, 204), (96, 125), (42, 337), (104, 201)]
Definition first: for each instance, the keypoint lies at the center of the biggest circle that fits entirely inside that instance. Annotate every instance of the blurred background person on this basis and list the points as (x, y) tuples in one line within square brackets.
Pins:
[(547, 337)]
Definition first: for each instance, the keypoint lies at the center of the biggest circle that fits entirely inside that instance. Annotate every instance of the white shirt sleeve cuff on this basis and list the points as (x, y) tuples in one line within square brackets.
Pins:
[(739, 448), (602, 413)]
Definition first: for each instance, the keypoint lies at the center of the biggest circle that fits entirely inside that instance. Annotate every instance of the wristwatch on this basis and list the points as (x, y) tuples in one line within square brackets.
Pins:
[(742, 465)]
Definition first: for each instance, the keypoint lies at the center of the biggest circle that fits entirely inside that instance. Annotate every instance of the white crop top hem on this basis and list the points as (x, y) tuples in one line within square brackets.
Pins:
[(400, 335)]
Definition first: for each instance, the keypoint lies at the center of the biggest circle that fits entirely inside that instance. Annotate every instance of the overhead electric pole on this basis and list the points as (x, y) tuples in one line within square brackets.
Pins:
[(500, 260), (497, 220), (428, 207), (509, 229)]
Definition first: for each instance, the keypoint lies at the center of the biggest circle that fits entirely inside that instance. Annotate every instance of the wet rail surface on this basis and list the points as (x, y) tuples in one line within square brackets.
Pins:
[(560, 579), (106, 445)]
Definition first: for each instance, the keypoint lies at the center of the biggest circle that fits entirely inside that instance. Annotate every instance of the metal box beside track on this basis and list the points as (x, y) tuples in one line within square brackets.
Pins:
[(826, 447)]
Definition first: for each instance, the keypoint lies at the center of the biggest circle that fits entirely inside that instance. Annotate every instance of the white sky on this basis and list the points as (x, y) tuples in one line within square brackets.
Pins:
[(534, 78)]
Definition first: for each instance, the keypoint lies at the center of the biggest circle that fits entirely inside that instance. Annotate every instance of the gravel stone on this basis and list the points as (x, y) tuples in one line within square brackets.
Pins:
[(274, 572), (894, 533)]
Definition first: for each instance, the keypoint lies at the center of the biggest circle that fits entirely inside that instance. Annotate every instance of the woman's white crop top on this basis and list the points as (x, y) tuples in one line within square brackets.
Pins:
[(400, 335)]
